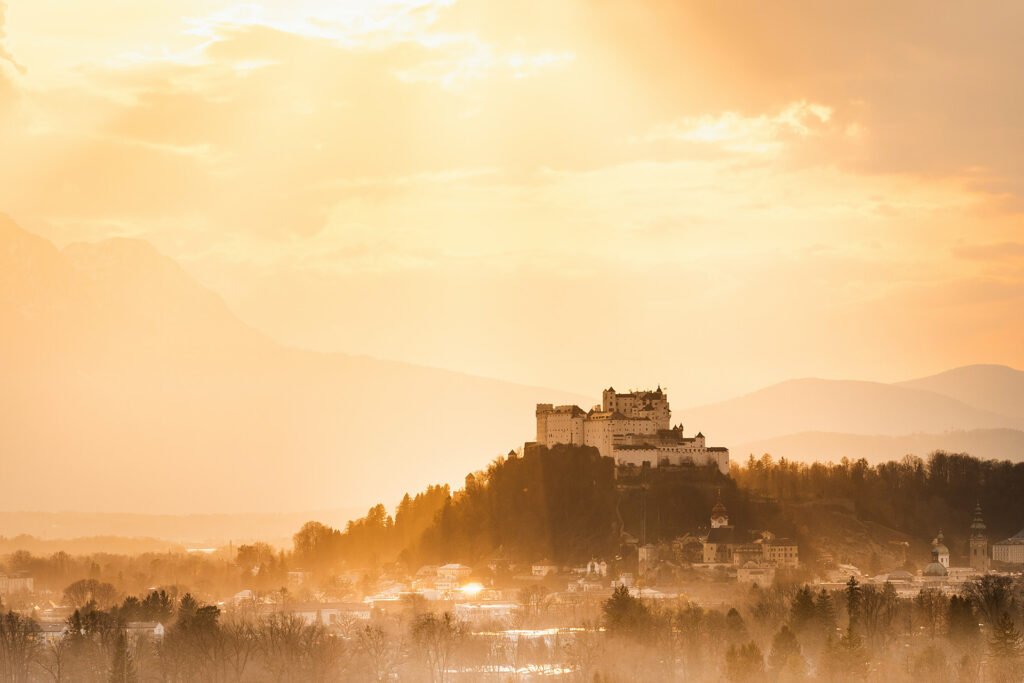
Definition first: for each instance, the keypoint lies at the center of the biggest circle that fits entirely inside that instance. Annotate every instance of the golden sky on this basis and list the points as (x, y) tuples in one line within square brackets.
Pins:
[(710, 195)]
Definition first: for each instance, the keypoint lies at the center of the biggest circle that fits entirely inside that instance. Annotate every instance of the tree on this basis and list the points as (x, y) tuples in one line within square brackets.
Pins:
[(963, 624), (877, 611), (438, 638), (122, 666), (930, 607), (744, 662), (1005, 642), (801, 611), (853, 602), (625, 614), (383, 654), (990, 595), (82, 592), (846, 658), (825, 612), (785, 653), (18, 646)]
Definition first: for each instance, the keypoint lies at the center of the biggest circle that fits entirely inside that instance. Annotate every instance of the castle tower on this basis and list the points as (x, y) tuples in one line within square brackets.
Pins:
[(979, 542)]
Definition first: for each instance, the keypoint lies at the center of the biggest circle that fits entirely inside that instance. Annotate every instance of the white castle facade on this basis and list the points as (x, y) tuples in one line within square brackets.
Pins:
[(633, 428)]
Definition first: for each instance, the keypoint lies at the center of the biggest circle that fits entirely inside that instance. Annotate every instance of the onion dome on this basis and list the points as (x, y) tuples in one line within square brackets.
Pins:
[(935, 568)]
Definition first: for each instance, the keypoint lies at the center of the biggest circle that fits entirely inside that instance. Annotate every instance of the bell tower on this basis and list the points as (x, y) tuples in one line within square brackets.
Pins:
[(979, 542), (719, 516)]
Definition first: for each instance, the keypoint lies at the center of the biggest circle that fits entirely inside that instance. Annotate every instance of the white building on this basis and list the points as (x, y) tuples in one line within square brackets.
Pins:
[(11, 585), (1011, 550), (633, 428)]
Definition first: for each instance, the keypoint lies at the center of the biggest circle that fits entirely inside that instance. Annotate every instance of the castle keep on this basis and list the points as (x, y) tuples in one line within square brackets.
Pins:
[(633, 428)]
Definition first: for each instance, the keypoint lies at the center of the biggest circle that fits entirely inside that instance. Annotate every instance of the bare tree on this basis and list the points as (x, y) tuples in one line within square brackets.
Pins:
[(382, 652), (18, 646), (438, 638)]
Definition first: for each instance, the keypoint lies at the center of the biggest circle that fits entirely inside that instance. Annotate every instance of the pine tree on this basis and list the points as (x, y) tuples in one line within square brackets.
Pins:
[(802, 611), (785, 648), (853, 602), (825, 611), (122, 666)]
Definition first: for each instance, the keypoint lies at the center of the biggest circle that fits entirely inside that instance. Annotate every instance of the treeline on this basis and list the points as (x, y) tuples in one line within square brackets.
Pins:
[(107, 578), (915, 496), (785, 633), (860, 633), (557, 503)]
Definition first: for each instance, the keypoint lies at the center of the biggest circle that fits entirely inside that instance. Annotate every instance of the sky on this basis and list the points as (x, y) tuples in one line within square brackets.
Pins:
[(710, 196)]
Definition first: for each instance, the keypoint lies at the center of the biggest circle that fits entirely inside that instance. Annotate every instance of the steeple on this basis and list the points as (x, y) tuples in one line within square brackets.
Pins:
[(979, 542), (719, 515), (978, 525)]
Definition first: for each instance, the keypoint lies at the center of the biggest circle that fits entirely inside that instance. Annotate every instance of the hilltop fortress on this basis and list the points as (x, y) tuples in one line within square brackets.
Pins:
[(633, 428)]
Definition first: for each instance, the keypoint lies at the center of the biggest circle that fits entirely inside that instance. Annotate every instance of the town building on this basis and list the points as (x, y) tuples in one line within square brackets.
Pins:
[(18, 583), (940, 551), (1010, 550), (722, 547), (720, 541), (634, 429)]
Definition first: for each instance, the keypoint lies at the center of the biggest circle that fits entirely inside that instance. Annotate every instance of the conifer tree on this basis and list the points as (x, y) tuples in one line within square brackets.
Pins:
[(122, 667)]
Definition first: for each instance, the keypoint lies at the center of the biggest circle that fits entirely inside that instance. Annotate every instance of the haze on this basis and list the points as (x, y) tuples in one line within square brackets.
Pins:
[(713, 197)]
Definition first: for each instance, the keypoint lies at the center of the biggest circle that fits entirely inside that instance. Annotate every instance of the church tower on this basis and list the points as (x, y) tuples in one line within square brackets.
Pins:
[(719, 516), (979, 542)]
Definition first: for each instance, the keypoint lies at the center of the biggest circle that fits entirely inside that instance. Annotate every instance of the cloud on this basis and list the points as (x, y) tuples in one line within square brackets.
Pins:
[(734, 132), (5, 54), (1001, 251)]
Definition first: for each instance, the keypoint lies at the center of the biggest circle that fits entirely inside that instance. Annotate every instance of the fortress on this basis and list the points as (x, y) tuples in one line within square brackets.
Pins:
[(633, 428)]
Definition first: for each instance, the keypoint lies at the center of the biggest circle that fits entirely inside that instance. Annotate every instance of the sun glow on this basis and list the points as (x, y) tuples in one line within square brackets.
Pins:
[(472, 589)]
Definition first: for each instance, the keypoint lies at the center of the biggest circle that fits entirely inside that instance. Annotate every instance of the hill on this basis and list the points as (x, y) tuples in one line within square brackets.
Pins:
[(129, 386), (993, 444), (838, 406), (996, 388)]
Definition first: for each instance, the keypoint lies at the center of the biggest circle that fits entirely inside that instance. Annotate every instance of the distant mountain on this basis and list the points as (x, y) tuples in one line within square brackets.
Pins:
[(996, 388), (989, 444), (126, 385), (840, 406)]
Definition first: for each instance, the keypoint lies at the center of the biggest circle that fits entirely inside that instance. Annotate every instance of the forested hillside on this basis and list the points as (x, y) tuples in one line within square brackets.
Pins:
[(565, 504)]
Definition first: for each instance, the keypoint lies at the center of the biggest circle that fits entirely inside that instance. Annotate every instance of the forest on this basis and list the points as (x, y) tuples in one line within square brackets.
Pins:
[(567, 505)]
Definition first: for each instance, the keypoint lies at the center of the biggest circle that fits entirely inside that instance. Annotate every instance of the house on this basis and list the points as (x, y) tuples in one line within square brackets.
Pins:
[(326, 613), (52, 632), (144, 629), (781, 552), (543, 568), (450, 577), (752, 573), (482, 612), (17, 583)]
